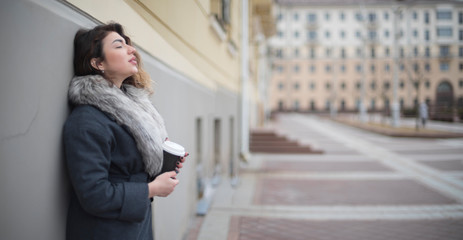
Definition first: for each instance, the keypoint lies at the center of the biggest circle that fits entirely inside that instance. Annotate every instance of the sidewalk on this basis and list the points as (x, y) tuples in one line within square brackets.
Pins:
[(364, 186)]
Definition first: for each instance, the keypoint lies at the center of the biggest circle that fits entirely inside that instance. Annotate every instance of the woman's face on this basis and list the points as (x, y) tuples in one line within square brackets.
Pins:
[(120, 61)]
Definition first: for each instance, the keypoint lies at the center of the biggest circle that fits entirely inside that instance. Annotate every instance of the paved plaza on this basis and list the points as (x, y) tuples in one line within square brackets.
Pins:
[(365, 186)]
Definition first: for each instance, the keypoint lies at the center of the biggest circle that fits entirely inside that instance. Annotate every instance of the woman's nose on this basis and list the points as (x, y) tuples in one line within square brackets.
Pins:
[(132, 49)]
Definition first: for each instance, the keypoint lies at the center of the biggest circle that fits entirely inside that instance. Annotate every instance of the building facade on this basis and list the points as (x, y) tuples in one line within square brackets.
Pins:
[(193, 52), (340, 55)]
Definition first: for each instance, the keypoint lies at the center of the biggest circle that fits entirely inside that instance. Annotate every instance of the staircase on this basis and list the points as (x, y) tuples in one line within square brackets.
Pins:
[(267, 141)]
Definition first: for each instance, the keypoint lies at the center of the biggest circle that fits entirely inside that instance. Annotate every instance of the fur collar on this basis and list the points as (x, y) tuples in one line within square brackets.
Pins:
[(131, 107)]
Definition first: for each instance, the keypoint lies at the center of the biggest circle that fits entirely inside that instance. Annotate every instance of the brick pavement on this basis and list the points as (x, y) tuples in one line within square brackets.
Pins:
[(365, 186)]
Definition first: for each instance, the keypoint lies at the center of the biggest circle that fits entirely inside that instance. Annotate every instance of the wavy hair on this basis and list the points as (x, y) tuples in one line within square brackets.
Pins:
[(88, 44)]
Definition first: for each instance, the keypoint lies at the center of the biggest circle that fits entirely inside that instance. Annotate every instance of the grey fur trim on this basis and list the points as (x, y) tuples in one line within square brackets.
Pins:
[(131, 108)]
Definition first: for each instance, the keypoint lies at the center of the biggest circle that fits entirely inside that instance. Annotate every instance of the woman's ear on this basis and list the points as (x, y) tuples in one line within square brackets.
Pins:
[(96, 64)]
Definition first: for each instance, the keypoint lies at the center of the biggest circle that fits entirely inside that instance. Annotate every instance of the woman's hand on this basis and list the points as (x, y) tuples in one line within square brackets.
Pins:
[(163, 184), (179, 163)]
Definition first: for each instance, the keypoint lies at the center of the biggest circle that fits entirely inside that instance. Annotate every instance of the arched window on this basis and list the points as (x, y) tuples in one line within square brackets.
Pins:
[(444, 94)]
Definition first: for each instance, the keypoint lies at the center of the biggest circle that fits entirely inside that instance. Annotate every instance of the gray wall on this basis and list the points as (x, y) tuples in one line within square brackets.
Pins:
[(35, 69)]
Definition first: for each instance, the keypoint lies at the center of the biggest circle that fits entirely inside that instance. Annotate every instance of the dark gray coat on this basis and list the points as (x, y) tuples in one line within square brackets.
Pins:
[(110, 192)]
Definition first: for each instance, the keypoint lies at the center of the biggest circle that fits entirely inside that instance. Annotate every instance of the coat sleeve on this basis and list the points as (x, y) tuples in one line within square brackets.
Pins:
[(88, 158)]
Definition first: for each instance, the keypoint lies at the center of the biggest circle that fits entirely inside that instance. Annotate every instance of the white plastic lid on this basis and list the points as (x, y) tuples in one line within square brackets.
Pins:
[(173, 148)]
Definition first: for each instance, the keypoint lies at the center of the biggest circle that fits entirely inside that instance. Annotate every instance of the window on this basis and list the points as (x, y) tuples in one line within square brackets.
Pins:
[(342, 16), (444, 15), (328, 86), (386, 33), (415, 15), (312, 35), (372, 17), (460, 83), (444, 31), (372, 68), (358, 16), (372, 53), (387, 85), (343, 85), (296, 52), (312, 86), (387, 52), (372, 35), (427, 52), (296, 86), (281, 86), (427, 84), (401, 85), (460, 51), (312, 105), (343, 34), (280, 17), (460, 35), (386, 16), (387, 67), (373, 104), (358, 85), (426, 17), (373, 85), (296, 34), (343, 68), (327, 34), (280, 105), (402, 52), (311, 17), (327, 16), (359, 52), (415, 51), (343, 53), (426, 35), (444, 51), (328, 68), (296, 68), (220, 9), (358, 35), (416, 67), (444, 66), (427, 67), (312, 68), (328, 52), (461, 67), (358, 68), (296, 105), (312, 53), (401, 67), (415, 33), (296, 17), (460, 17)]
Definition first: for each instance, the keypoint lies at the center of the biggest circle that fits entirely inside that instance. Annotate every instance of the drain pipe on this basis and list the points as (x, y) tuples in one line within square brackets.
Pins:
[(244, 80)]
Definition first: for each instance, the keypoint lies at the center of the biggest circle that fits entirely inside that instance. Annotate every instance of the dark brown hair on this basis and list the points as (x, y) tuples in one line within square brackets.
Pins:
[(88, 44)]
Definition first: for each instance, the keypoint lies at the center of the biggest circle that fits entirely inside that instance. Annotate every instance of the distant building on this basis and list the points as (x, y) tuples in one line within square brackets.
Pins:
[(325, 52)]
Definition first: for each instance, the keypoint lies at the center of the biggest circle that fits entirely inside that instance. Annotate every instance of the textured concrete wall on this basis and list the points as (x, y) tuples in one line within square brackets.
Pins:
[(35, 69)]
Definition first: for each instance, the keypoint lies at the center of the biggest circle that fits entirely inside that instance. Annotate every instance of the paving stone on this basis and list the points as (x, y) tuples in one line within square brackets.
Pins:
[(274, 191), (257, 228), (445, 165), (330, 166), (431, 151)]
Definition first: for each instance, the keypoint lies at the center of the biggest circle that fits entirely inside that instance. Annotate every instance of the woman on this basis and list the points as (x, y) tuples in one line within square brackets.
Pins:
[(113, 140)]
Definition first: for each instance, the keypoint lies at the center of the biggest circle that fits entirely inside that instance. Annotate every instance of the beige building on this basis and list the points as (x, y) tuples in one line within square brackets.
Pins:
[(193, 50), (339, 55)]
